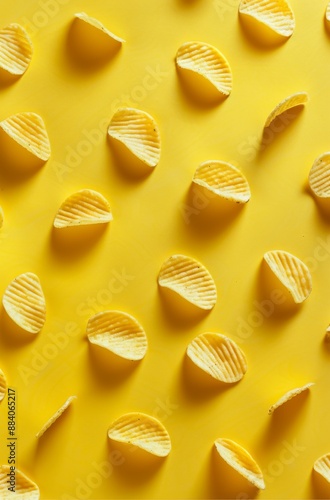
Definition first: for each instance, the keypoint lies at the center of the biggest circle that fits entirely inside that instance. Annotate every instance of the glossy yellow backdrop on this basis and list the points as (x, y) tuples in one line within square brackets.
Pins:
[(154, 217)]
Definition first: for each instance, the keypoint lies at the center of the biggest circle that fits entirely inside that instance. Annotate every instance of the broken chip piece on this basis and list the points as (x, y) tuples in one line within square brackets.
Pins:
[(3, 385), (25, 303), (219, 356), (291, 272), (118, 332), (189, 279), (143, 431), (292, 101), (56, 415), (25, 488), (138, 132), (276, 15), (15, 49), (288, 396), (83, 208), (240, 460), (319, 176), (322, 466), (224, 180), (29, 131), (206, 61)]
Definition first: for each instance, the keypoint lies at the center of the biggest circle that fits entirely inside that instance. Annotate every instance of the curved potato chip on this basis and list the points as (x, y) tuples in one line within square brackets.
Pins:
[(83, 208), (207, 61), (322, 466), (240, 460), (24, 302), (15, 49), (224, 180), (143, 431), (189, 279), (291, 272), (327, 13), (218, 356), (3, 385), (138, 131), (29, 131), (277, 15), (98, 26), (297, 99), (56, 415), (288, 396), (319, 176), (25, 488), (118, 332)]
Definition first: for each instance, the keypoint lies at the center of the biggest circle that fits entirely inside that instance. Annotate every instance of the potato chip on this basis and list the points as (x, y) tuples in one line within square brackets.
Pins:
[(3, 385), (83, 208), (322, 466), (288, 396), (143, 431), (56, 415), (15, 49), (205, 60), (25, 303), (292, 101), (319, 176), (291, 272), (219, 356), (118, 332), (139, 133), (25, 488), (189, 279), (240, 460), (327, 334), (277, 15), (224, 180), (327, 13), (29, 131), (91, 21)]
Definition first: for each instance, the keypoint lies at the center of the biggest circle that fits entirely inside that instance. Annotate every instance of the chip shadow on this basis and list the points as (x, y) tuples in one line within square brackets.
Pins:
[(129, 166), (197, 90), (260, 35), (320, 486), (70, 243), (12, 335)]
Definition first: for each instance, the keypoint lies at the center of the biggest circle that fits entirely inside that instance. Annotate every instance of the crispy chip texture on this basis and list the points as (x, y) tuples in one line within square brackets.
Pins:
[(143, 431), (218, 356), (118, 332), (82, 16), (292, 101), (25, 303), (207, 61), (240, 460), (291, 272), (3, 385), (277, 15), (288, 396), (138, 131), (224, 180), (319, 176), (15, 49), (56, 415), (83, 208), (322, 466), (29, 131), (25, 488), (327, 13), (190, 279)]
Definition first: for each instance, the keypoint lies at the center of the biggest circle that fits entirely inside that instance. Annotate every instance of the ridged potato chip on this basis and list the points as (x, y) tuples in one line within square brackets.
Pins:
[(291, 272), (205, 60), (25, 488), (83, 208), (240, 460), (218, 356), (29, 131), (292, 101), (288, 396), (138, 132), (143, 431), (15, 49), (82, 16), (319, 176), (56, 415), (25, 303), (277, 15), (3, 385), (224, 180), (322, 466), (118, 332), (327, 13), (189, 279)]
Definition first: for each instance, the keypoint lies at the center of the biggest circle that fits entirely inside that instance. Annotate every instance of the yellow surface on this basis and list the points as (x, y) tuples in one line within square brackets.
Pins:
[(117, 268)]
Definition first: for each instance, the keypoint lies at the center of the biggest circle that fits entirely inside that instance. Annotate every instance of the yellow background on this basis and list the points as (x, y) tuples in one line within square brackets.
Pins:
[(285, 350)]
